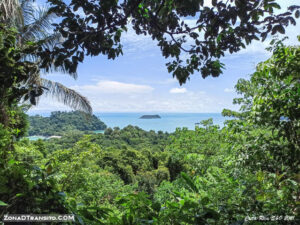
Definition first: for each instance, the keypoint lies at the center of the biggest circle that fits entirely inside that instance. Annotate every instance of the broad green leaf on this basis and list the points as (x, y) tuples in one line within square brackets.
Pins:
[(3, 203)]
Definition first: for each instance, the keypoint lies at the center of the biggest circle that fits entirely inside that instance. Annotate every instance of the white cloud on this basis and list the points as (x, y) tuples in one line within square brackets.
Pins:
[(178, 90), (134, 43), (114, 87), (208, 3), (155, 101), (228, 90)]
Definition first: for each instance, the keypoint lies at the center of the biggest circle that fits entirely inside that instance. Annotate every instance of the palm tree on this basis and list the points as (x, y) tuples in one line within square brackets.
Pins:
[(10, 11), (34, 24)]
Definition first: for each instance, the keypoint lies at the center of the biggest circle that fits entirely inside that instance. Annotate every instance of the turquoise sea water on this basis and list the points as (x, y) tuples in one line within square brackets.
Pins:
[(168, 122), (35, 138)]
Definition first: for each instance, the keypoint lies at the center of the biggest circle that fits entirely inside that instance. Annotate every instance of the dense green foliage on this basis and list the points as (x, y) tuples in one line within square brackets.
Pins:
[(24, 187), (248, 170), (15, 72), (96, 27), (95, 169), (32, 35), (60, 123)]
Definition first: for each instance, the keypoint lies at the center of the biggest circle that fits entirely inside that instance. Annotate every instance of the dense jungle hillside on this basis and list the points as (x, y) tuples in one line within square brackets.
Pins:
[(59, 123)]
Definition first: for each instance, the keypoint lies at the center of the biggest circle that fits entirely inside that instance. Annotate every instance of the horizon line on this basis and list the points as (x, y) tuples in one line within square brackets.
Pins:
[(117, 111)]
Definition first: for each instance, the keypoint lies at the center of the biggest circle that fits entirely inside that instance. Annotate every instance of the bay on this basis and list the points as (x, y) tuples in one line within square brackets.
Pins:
[(168, 122)]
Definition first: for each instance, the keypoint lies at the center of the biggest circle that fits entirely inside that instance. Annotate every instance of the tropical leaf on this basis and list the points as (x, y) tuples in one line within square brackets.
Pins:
[(37, 24), (3, 203), (34, 24), (66, 95), (189, 182)]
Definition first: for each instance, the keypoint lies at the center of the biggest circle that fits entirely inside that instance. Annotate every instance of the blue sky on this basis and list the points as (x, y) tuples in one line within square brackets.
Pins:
[(139, 81)]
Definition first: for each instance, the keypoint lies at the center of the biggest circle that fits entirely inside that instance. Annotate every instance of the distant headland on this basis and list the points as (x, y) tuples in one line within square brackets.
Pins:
[(150, 117), (61, 122)]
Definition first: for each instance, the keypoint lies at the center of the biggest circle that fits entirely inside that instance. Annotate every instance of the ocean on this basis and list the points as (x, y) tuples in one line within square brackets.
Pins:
[(168, 122)]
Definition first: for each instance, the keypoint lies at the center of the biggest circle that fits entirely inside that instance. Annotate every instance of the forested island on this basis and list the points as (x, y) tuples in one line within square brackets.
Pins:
[(150, 117), (58, 123)]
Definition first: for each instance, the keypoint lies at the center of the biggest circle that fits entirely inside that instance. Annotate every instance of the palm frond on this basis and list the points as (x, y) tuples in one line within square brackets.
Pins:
[(52, 40), (63, 68), (67, 96), (37, 24), (39, 28), (27, 12)]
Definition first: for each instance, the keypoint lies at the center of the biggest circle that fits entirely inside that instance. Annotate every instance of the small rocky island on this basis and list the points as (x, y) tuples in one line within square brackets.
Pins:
[(150, 117)]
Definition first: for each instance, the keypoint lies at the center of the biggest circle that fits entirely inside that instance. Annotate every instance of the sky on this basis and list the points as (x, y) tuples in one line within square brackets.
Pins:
[(139, 81)]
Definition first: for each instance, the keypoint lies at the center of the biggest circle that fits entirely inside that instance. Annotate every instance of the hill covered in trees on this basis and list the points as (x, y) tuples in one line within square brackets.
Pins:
[(60, 122)]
